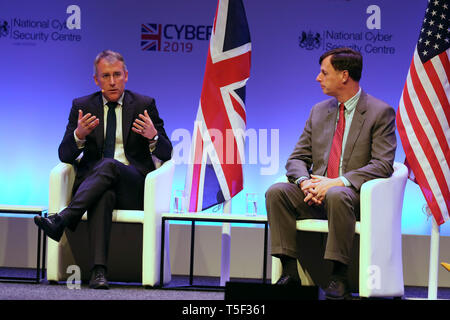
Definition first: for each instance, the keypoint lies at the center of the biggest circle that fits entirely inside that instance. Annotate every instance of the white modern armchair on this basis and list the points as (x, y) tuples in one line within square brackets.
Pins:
[(158, 188), (380, 256)]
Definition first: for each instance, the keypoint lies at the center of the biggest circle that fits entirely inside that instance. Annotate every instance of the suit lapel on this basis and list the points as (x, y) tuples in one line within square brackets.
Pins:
[(127, 116), (355, 129), (99, 113)]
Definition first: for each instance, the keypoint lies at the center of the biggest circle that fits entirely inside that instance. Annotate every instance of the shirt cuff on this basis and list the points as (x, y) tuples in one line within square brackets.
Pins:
[(78, 141), (345, 181), (299, 180)]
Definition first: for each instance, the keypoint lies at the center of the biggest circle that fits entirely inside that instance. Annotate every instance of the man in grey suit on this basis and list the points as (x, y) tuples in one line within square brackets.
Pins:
[(347, 140)]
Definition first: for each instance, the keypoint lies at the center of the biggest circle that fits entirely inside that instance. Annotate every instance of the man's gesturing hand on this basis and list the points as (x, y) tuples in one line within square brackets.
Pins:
[(144, 126), (86, 123)]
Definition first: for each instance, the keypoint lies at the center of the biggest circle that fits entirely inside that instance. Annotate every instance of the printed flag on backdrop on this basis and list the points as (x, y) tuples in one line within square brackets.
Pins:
[(423, 114), (150, 37), (215, 170)]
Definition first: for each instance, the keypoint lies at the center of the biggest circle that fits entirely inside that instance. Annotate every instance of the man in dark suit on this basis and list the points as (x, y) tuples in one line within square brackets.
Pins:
[(117, 131), (347, 140)]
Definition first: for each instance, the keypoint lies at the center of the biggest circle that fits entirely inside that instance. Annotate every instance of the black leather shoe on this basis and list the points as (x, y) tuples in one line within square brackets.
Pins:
[(52, 226), (288, 281), (338, 290), (98, 278)]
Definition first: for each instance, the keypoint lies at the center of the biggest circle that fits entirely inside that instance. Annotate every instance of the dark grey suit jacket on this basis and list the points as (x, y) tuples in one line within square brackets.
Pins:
[(136, 146), (370, 148)]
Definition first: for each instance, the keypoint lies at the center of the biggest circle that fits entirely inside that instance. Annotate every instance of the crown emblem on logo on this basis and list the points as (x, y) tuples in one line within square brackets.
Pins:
[(310, 40), (4, 28)]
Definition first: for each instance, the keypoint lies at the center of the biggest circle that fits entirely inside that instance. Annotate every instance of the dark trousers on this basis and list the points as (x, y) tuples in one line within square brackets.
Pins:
[(285, 205), (109, 185)]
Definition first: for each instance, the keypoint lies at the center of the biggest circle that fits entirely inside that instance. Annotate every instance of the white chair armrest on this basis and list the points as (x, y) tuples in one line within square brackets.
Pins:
[(62, 177), (158, 189), (381, 211), (158, 186)]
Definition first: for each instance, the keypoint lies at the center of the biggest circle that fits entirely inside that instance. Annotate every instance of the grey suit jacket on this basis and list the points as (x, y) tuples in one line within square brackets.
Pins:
[(370, 148)]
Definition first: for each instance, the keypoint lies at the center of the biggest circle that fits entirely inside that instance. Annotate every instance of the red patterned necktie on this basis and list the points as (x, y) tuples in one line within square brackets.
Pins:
[(336, 146)]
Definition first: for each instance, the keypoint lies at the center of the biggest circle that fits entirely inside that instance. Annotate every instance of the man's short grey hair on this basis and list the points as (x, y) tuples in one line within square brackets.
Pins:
[(111, 57)]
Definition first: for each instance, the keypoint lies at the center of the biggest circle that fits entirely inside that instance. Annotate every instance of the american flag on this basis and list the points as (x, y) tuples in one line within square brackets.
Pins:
[(215, 174), (151, 37), (423, 115)]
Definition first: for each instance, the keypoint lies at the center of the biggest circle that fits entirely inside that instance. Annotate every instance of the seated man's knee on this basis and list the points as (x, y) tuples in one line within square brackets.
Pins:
[(107, 164), (336, 194), (275, 191), (340, 197), (109, 194)]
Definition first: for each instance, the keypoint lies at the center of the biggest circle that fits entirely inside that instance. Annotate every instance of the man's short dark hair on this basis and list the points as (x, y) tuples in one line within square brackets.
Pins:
[(345, 59), (111, 57)]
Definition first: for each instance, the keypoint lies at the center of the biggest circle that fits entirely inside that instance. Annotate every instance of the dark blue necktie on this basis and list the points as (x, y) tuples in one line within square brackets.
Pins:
[(110, 137)]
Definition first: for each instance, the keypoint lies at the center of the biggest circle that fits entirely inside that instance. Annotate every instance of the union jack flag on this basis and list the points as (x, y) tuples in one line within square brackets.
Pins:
[(217, 152), (151, 37)]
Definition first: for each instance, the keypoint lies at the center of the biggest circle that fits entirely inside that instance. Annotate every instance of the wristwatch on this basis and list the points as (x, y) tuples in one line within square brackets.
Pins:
[(299, 180), (154, 139)]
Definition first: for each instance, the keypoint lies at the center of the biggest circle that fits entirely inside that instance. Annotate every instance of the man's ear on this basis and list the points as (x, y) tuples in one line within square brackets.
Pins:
[(345, 76)]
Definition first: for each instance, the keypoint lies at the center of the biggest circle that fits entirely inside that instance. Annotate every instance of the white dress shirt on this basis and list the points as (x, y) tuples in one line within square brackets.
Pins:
[(119, 151)]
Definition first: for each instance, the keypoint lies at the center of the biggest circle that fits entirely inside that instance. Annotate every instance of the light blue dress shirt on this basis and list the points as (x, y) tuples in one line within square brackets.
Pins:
[(350, 107)]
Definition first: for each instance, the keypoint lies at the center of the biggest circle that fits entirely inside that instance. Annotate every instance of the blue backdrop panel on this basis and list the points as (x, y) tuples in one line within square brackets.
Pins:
[(45, 65)]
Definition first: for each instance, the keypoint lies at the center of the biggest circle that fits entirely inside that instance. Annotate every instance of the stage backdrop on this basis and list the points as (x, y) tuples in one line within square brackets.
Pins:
[(48, 47)]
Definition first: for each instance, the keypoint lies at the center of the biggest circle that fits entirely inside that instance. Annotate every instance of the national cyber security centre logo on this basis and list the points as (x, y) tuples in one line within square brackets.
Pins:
[(370, 39), (4, 28), (34, 30), (173, 37)]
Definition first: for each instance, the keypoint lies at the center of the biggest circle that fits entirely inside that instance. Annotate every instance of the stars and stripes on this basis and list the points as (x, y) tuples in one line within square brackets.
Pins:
[(423, 115), (215, 171)]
